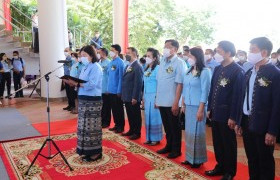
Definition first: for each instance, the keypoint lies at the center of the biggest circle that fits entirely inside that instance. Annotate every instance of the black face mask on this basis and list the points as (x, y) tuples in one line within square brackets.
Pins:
[(128, 57)]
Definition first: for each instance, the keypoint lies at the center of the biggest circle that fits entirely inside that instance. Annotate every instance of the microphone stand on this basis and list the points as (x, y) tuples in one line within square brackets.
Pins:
[(49, 140)]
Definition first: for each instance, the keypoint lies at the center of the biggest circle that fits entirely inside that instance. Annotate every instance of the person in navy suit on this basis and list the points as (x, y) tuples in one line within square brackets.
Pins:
[(224, 110), (132, 82), (261, 110)]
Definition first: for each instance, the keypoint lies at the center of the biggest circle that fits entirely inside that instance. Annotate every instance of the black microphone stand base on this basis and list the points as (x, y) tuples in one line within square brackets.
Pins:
[(49, 157)]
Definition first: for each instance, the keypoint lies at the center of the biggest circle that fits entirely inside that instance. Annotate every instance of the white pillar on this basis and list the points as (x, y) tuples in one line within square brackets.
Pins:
[(53, 39), (2, 12), (120, 29)]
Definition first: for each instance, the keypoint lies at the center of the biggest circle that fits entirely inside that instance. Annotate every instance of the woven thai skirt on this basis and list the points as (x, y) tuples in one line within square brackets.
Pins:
[(89, 132)]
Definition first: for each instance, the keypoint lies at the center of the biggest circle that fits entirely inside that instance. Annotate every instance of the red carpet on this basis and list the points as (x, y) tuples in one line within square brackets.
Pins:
[(69, 126), (122, 160)]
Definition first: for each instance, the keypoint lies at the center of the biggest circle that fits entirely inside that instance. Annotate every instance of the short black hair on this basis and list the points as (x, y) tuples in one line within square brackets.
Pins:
[(104, 50), (211, 51), (75, 55), (133, 49), (228, 46), (278, 51), (1, 56), (199, 56), (91, 52), (155, 54), (186, 48), (263, 43), (16, 52), (117, 48), (173, 42)]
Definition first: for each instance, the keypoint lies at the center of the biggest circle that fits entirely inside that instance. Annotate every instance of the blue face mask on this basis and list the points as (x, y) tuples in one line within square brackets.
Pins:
[(84, 60)]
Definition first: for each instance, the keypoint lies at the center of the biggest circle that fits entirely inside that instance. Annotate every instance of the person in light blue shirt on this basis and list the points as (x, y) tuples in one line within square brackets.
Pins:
[(89, 134), (6, 75), (18, 72), (169, 87), (246, 66), (106, 107), (153, 122), (115, 74), (210, 62), (196, 87)]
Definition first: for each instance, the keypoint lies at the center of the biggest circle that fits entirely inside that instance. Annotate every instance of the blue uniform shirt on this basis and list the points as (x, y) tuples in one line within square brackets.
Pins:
[(115, 74), (150, 81), (67, 66), (76, 69), (104, 64), (211, 64), (196, 88), (92, 73), (18, 65), (6, 66), (168, 77)]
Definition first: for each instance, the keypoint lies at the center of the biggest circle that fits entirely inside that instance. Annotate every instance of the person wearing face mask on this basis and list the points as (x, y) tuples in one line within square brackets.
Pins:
[(75, 72), (6, 75), (273, 58), (196, 87), (261, 103), (186, 51), (224, 102), (132, 82), (106, 107), (69, 90), (97, 40), (89, 133), (169, 88), (278, 59), (153, 122), (18, 72), (115, 74), (210, 61)]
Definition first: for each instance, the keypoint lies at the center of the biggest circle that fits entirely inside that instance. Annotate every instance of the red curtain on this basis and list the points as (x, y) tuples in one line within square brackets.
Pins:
[(7, 14)]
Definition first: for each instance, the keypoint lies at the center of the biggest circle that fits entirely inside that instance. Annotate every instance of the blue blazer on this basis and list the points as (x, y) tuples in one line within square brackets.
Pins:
[(265, 112), (225, 97), (132, 83)]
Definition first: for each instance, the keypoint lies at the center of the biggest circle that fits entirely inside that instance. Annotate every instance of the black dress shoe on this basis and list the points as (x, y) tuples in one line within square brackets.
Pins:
[(127, 133), (227, 177), (147, 142), (118, 130), (154, 143), (70, 109), (196, 165), (113, 129), (66, 108), (134, 137), (186, 163), (105, 126), (173, 155), (215, 172), (163, 151)]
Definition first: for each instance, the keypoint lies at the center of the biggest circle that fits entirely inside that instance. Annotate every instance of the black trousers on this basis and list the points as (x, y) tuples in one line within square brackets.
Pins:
[(225, 147), (117, 110), (17, 85), (260, 156), (134, 117), (106, 110), (6, 81), (172, 128), (70, 93)]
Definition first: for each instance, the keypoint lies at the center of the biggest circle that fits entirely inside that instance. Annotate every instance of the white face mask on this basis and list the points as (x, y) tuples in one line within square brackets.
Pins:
[(219, 58), (166, 53), (84, 60), (254, 58), (15, 57), (66, 54), (148, 60), (98, 56), (112, 54), (191, 61), (185, 58), (273, 60), (207, 57), (242, 58), (236, 59)]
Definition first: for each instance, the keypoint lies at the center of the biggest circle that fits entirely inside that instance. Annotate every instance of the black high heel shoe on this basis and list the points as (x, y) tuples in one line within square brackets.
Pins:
[(89, 159), (196, 165), (186, 163)]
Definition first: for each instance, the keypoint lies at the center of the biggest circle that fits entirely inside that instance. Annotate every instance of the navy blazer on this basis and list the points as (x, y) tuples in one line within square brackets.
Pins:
[(225, 97), (132, 83), (265, 112)]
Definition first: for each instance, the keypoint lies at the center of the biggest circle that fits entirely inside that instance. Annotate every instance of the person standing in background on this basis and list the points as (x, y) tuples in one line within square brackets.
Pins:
[(210, 62), (18, 72), (6, 76)]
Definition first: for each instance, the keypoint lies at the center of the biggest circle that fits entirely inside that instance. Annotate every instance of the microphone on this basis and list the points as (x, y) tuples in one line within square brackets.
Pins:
[(64, 61)]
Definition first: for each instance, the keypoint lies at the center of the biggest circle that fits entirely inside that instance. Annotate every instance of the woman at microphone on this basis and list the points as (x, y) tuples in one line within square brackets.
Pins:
[(89, 132)]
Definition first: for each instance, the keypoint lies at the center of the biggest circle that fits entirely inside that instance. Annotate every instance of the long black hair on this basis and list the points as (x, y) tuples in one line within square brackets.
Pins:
[(199, 55), (91, 52), (1, 56), (155, 54)]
